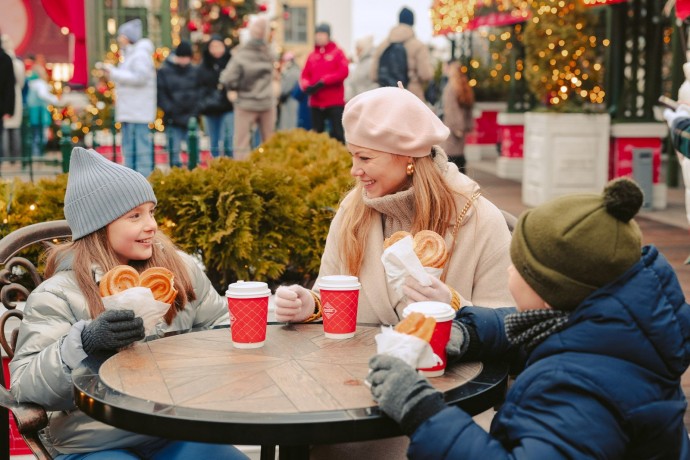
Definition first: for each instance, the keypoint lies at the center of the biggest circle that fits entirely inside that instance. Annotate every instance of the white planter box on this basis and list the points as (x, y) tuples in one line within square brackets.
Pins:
[(564, 153)]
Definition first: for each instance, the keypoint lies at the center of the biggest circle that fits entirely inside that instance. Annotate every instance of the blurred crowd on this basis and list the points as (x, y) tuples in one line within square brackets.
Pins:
[(241, 96)]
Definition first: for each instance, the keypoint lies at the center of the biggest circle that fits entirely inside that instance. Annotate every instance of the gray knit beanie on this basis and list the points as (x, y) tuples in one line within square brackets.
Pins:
[(131, 30), (100, 191)]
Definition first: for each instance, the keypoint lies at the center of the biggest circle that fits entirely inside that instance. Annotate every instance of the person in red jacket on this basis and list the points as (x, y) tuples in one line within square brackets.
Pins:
[(323, 80)]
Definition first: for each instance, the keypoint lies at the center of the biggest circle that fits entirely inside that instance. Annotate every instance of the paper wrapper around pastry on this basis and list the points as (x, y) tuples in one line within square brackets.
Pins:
[(411, 349), (141, 301), (400, 261)]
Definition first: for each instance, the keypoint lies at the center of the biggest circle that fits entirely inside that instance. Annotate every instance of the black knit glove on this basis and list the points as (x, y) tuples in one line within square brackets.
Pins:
[(459, 342), (112, 330), (402, 393), (311, 89)]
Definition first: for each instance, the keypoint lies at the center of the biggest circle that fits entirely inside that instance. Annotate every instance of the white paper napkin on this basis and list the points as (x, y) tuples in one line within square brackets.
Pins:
[(411, 349), (141, 301), (399, 261)]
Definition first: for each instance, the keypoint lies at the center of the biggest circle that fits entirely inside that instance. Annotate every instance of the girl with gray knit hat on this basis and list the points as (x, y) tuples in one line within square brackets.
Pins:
[(110, 209), (601, 329)]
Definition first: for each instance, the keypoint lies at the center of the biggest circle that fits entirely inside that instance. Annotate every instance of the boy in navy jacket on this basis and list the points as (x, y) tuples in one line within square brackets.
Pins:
[(601, 328)]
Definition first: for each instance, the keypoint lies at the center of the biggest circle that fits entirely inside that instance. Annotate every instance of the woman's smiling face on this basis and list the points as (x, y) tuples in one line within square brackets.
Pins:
[(380, 173)]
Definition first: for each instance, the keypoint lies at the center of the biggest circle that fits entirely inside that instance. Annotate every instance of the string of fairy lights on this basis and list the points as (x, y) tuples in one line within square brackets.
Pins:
[(563, 55)]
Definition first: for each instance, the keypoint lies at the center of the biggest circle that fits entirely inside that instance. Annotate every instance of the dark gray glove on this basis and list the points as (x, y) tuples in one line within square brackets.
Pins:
[(311, 89), (459, 342), (112, 330), (402, 393)]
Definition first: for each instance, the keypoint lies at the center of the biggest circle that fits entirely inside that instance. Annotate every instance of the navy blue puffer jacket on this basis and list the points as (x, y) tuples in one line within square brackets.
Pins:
[(606, 387)]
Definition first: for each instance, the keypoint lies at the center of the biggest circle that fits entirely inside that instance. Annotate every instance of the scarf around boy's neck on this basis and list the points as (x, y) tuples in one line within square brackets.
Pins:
[(531, 327)]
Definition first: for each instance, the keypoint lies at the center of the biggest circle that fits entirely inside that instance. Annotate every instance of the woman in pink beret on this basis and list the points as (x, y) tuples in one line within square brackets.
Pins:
[(404, 181)]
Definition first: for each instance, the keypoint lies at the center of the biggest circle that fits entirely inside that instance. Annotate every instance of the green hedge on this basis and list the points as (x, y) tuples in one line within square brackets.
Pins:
[(263, 219)]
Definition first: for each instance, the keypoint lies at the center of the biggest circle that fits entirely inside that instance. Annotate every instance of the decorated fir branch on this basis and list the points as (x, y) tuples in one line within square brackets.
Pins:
[(563, 64)]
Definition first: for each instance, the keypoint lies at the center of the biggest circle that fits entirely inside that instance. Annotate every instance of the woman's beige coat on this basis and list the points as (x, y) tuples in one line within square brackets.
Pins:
[(478, 265)]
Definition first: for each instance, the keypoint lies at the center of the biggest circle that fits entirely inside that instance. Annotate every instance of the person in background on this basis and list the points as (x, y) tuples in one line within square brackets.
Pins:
[(289, 78), (303, 110), (179, 93), (458, 101), (404, 183), (214, 104), (601, 331), (419, 68), (323, 80), (12, 139), (250, 76), (359, 79), (135, 95), (38, 99), (679, 123), (7, 93)]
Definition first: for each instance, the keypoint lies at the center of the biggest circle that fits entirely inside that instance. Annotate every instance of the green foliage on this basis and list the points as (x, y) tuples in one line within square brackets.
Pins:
[(264, 219)]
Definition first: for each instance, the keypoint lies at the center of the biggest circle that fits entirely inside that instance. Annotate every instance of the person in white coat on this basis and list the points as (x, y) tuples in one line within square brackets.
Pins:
[(12, 139), (135, 93)]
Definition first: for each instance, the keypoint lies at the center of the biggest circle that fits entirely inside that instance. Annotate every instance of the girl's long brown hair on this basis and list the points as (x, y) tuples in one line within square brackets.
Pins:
[(461, 86), (434, 209), (93, 249)]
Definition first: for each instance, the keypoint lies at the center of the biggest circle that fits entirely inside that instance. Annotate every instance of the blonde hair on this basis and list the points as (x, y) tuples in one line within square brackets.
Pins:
[(93, 249), (434, 209), (461, 86)]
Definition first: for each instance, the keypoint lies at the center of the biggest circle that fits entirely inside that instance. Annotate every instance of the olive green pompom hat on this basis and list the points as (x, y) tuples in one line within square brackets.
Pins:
[(571, 246)]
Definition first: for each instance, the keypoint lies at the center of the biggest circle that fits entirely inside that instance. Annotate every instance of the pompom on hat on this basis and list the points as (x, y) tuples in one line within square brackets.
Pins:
[(131, 29), (573, 245), (392, 120), (100, 191)]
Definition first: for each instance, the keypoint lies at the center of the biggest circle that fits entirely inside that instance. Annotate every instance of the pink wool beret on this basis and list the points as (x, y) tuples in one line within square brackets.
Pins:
[(392, 120)]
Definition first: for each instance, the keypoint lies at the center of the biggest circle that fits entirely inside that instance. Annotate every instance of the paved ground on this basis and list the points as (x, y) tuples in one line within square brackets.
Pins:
[(668, 229)]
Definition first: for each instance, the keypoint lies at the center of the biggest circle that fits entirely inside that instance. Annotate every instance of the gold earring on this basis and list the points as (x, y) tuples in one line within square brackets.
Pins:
[(410, 168)]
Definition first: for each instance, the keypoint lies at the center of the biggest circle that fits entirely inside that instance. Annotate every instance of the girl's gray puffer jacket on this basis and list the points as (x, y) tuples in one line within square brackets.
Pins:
[(39, 374)]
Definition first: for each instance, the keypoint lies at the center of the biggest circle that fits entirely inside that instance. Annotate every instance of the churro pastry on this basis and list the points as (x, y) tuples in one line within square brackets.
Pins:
[(431, 249), (161, 282), (118, 279), (418, 325), (394, 238)]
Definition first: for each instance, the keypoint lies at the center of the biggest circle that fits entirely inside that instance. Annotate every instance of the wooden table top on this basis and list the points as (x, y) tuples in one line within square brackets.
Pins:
[(297, 371)]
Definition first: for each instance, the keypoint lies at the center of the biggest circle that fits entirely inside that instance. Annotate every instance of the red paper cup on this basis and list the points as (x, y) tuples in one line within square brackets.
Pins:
[(444, 314), (339, 301), (248, 305)]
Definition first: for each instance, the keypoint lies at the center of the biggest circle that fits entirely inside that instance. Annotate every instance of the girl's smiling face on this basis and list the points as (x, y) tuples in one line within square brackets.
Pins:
[(131, 235), (380, 173)]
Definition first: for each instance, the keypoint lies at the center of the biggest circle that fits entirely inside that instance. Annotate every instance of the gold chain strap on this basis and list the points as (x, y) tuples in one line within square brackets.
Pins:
[(456, 229)]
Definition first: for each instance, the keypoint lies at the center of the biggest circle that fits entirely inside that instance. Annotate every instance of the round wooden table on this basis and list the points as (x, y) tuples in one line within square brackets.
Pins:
[(300, 387)]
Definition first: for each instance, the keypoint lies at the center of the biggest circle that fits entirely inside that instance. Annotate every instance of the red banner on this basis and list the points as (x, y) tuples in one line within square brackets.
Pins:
[(601, 2), (70, 14), (682, 9), (498, 19)]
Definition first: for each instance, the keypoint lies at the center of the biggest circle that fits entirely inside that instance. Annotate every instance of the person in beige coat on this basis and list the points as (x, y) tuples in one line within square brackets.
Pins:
[(419, 68), (250, 78), (458, 101), (404, 182)]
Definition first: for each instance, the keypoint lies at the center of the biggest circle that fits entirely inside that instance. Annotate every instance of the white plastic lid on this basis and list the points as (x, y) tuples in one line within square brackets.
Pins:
[(248, 289), (438, 310), (339, 282)]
